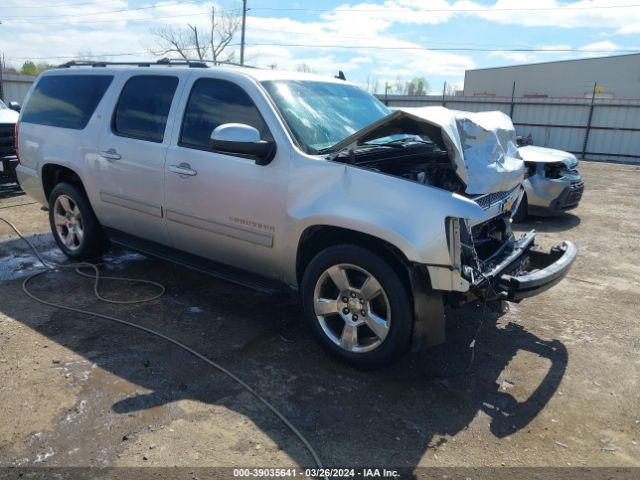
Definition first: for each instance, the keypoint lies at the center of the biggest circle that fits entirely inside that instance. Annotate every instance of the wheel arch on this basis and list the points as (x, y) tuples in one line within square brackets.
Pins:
[(318, 237), (54, 173), (427, 303)]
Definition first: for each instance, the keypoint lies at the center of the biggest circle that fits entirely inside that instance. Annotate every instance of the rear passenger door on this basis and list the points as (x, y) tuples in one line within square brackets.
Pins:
[(129, 166)]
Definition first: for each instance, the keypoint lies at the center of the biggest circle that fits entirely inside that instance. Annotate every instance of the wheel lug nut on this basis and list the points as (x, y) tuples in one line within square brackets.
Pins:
[(362, 301), (363, 313), (353, 294), (345, 311), (354, 317), (345, 299)]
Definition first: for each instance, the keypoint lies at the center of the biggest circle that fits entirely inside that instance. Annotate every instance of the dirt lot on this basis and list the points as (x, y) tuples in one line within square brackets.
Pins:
[(554, 382)]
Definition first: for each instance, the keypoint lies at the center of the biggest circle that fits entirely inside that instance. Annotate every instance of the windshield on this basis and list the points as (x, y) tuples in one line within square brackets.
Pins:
[(320, 114)]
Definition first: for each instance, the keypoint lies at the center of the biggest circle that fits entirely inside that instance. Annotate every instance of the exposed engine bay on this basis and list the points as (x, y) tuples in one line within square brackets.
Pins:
[(463, 152), (415, 159)]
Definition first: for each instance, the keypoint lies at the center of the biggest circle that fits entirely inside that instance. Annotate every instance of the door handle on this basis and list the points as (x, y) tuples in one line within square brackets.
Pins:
[(110, 154), (183, 169)]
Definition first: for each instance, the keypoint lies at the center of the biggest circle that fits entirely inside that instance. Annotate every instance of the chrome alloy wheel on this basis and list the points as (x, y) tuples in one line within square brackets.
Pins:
[(68, 222), (352, 308)]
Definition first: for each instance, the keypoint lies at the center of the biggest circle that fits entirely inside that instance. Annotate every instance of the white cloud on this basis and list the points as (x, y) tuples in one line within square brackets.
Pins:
[(605, 45), (519, 57), (543, 13), (65, 30), (361, 60), (551, 13), (629, 29), (393, 57)]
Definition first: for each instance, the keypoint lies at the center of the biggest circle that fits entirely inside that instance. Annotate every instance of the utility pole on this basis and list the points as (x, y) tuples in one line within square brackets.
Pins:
[(244, 24), (1, 70)]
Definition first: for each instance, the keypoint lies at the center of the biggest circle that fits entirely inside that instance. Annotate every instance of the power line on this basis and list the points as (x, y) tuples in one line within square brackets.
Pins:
[(150, 7), (380, 10), (473, 49), (54, 5), (111, 20), (441, 10), (361, 38), (455, 49)]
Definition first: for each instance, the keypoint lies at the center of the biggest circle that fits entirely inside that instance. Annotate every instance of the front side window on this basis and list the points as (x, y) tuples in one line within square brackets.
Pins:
[(143, 107), (321, 114), (66, 101), (215, 102)]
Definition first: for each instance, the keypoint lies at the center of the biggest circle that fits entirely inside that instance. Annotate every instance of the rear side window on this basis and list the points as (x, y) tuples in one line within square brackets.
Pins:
[(66, 101), (214, 102), (143, 107)]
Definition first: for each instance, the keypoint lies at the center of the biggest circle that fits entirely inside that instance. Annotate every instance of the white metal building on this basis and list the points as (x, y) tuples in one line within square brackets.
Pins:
[(15, 86), (613, 77)]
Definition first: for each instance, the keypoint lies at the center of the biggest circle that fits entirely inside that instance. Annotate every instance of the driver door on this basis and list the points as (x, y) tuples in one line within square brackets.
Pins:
[(223, 206)]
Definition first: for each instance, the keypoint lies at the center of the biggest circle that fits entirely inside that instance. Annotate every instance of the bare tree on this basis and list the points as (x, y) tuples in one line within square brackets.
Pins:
[(88, 56), (190, 42), (223, 28), (371, 85), (417, 86), (304, 67)]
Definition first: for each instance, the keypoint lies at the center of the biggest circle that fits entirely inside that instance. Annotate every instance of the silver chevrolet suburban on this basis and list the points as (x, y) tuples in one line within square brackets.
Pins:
[(269, 179)]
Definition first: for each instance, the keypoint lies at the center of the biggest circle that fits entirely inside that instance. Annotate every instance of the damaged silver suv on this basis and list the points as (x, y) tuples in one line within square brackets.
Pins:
[(377, 218)]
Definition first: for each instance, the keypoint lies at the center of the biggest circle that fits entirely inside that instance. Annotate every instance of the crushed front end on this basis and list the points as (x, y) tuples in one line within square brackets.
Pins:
[(474, 156), (494, 264)]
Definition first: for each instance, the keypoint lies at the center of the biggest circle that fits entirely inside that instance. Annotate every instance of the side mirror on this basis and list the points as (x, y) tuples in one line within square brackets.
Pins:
[(15, 106), (244, 140)]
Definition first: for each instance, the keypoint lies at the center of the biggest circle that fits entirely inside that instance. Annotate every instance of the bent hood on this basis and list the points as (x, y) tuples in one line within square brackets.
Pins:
[(482, 146)]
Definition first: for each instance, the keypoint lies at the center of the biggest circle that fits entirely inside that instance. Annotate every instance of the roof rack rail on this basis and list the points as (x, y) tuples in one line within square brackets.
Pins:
[(162, 62)]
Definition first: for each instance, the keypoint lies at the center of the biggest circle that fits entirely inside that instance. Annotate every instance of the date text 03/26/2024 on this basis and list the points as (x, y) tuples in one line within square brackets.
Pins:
[(315, 473)]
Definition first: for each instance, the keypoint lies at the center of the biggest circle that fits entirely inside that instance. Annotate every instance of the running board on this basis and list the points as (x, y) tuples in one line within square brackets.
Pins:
[(219, 270)]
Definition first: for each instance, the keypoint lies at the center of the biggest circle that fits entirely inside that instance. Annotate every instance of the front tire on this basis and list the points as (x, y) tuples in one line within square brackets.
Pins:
[(358, 306), (75, 227)]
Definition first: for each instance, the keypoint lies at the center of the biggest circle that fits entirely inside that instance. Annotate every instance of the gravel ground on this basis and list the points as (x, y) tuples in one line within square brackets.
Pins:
[(554, 381)]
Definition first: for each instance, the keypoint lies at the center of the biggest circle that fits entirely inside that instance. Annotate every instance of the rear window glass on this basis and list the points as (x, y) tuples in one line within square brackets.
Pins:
[(144, 106), (66, 101)]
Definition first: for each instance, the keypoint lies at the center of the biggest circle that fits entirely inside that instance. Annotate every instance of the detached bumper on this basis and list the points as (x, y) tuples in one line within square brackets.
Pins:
[(548, 269), (526, 273)]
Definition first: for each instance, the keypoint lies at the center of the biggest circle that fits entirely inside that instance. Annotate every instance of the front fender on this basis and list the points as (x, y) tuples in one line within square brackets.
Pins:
[(408, 215)]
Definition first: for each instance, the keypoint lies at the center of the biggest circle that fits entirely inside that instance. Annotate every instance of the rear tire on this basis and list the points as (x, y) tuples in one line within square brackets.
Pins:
[(523, 210), (358, 306), (75, 227)]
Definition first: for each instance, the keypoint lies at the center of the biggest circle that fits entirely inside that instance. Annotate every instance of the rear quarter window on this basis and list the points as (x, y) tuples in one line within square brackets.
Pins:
[(143, 107), (66, 101)]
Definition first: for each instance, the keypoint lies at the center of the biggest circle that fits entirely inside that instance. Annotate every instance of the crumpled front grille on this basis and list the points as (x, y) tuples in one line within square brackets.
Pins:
[(490, 199)]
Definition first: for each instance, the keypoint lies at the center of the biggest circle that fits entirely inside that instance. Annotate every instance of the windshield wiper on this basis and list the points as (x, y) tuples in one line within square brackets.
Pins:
[(324, 150), (399, 142)]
